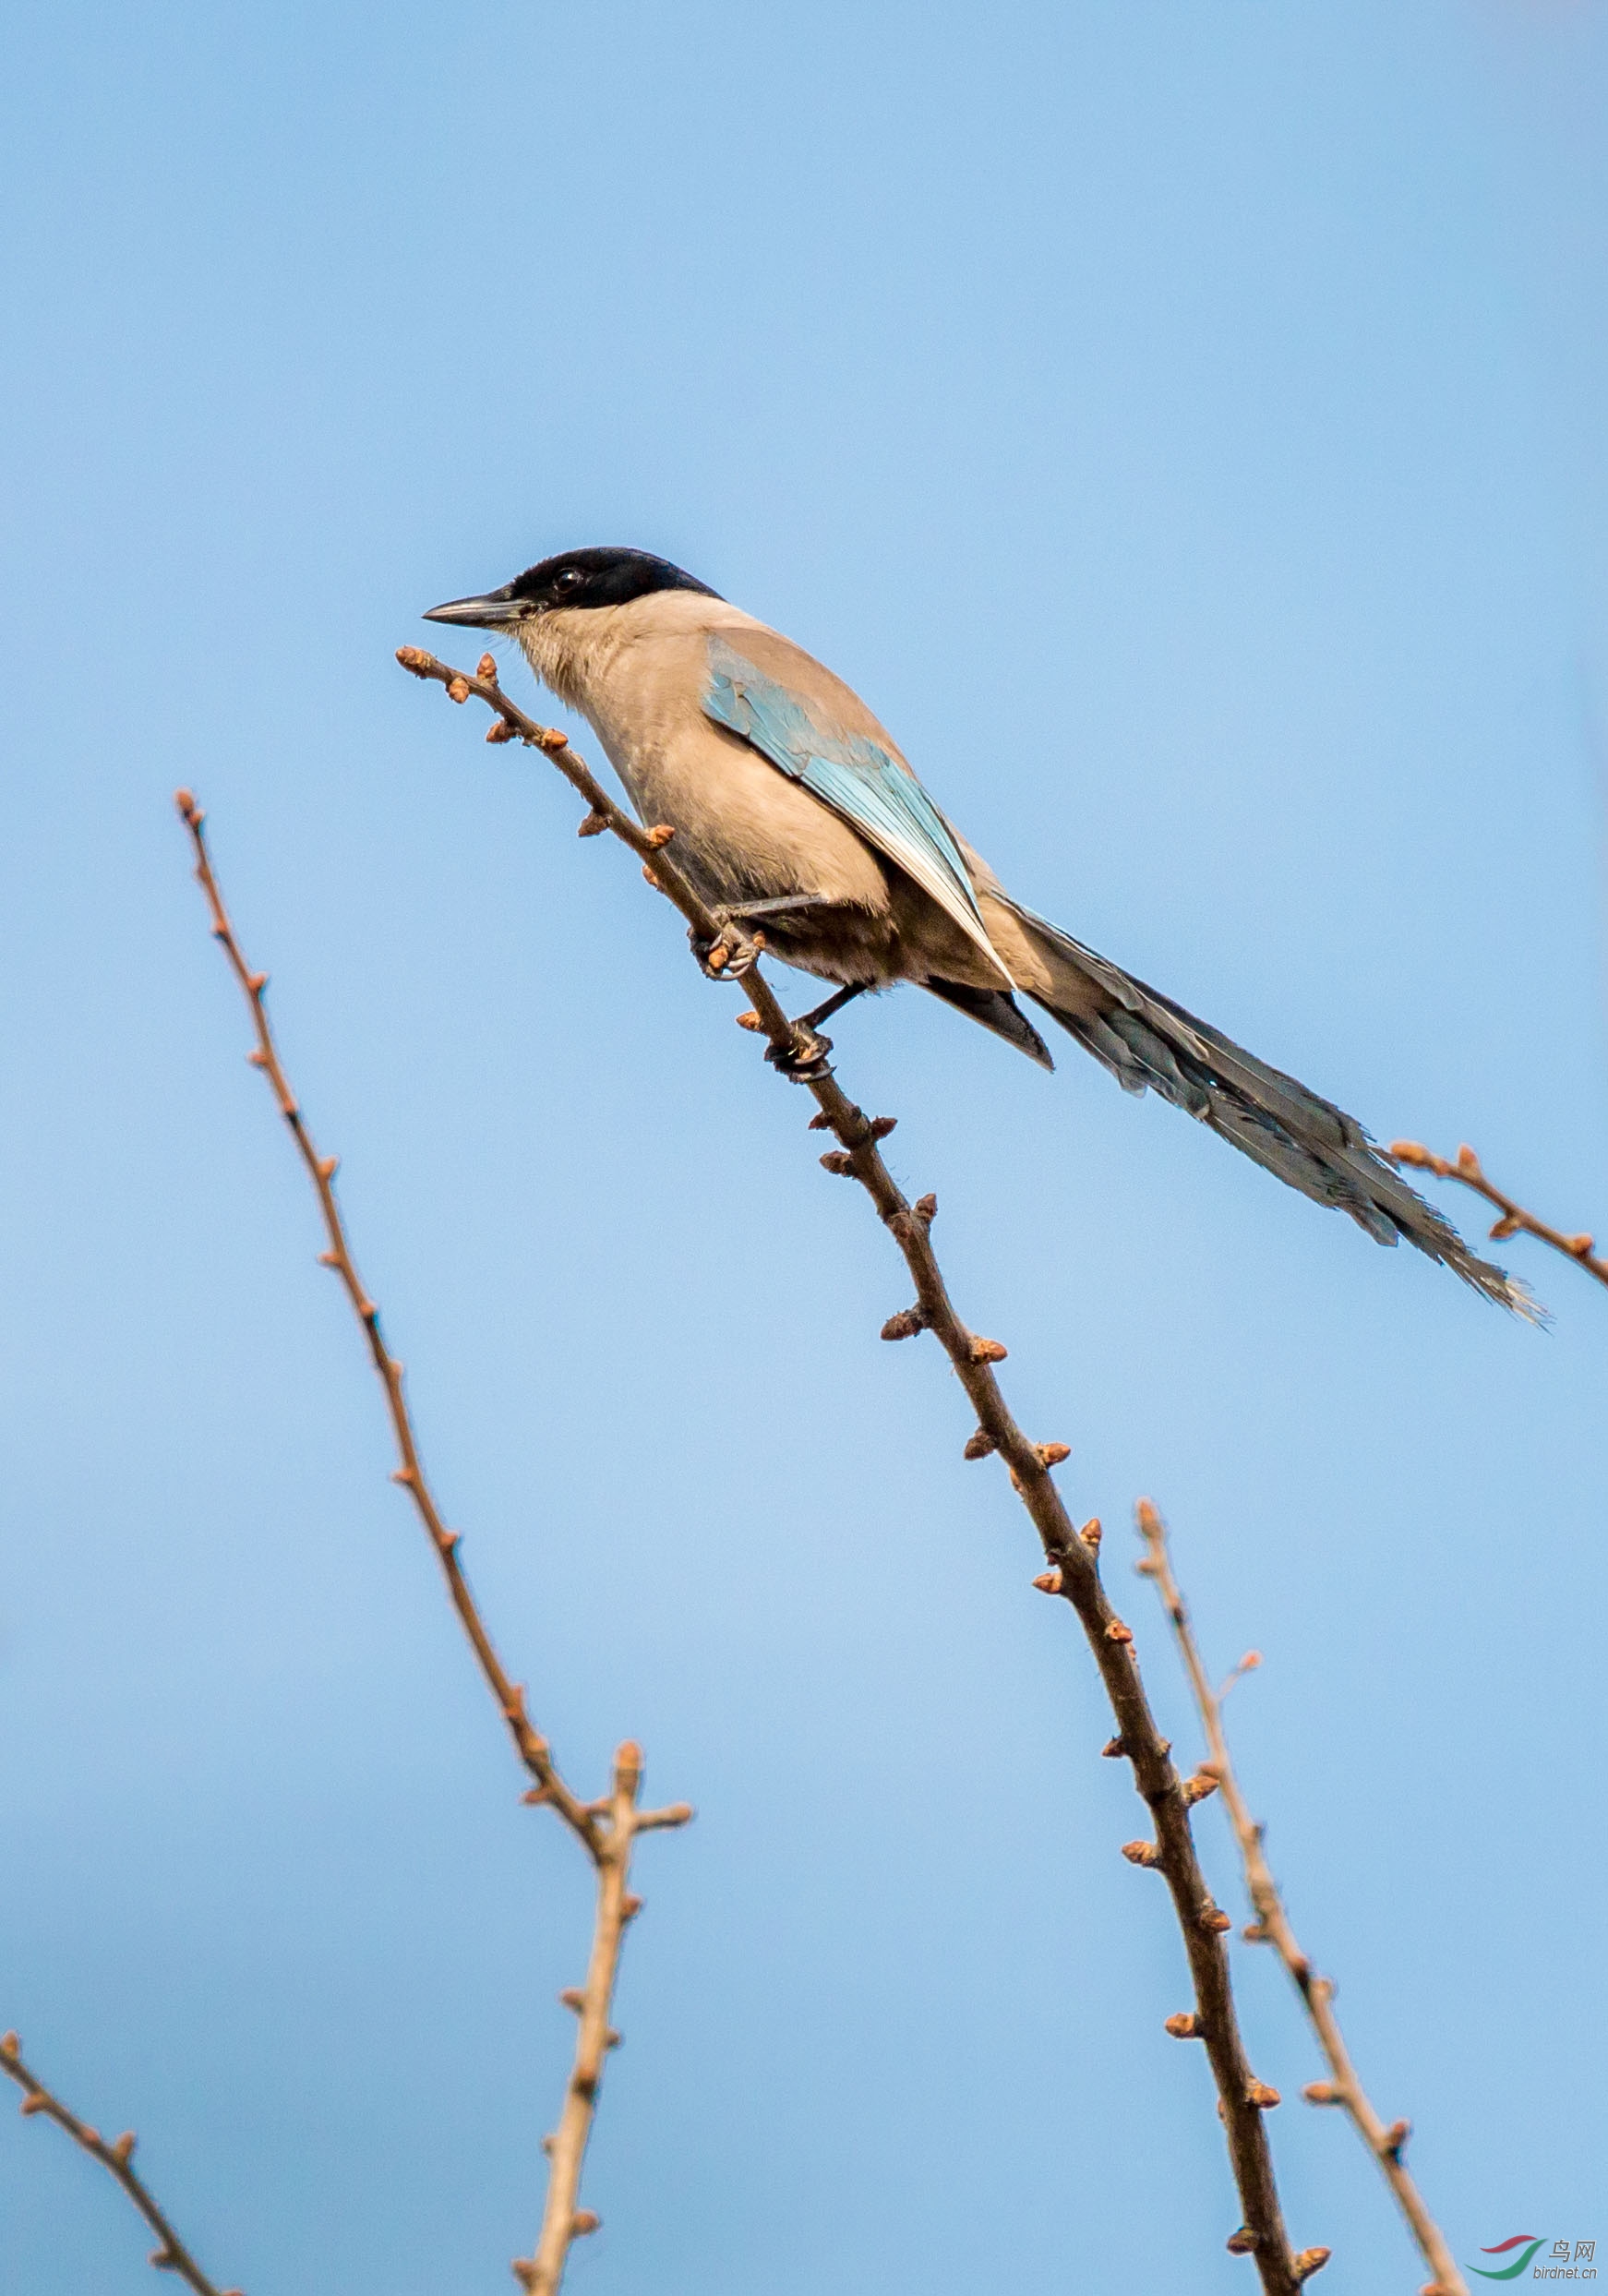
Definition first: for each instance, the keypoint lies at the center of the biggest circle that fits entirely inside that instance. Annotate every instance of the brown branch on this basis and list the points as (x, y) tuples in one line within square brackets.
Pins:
[(605, 1829), (1272, 1927), (533, 1749), (170, 2254), (562, 2222), (1073, 1571), (1515, 1219)]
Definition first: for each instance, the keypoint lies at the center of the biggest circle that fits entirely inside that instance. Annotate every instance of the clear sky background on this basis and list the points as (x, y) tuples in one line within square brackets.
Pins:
[(1183, 425)]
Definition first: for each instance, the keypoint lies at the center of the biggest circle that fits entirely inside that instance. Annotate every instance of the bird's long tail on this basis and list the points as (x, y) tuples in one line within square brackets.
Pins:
[(1149, 1043)]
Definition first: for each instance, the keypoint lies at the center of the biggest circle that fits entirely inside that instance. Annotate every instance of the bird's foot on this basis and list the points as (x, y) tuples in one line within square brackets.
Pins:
[(804, 1061), (729, 954)]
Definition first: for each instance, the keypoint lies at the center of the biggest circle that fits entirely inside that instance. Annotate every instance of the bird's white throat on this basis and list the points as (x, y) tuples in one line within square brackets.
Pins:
[(570, 648)]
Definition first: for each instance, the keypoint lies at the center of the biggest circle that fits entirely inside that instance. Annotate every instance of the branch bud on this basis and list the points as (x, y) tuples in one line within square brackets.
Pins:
[(586, 2220), (1117, 1632), (122, 2150), (1503, 1228), (1322, 2093), (820, 1122), (1091, 1534), (1051, 1454), (840, 1161), (459, 689), (629, 1907), (1113, 1750), (1310, 2260), (986, 1352), (1185, 2027), (1409, 1152), (1244, 2242), (1198, 1790), (1048, 1582), (12, 2042), (500, 730), (1395, 2137), (593, 826), (1141, 1852), (881, 1126), (979, 1445), (412, 658), (750, 1020), (905, 1325), (486, 667), (660, 836), (1215, 1919), (573, 1997), (1261, 2097), (1468, 1163), (926, 1207), (1580, 1245)]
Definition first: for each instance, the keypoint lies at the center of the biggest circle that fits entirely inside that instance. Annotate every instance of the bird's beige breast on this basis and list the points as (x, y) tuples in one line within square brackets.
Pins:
[(747, 829)]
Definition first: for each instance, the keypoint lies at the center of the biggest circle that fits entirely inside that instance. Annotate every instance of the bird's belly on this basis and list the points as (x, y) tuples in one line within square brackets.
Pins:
[(746, 833)]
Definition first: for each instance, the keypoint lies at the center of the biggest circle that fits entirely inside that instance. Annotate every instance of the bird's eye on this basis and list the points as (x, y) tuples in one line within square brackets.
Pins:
[(568, 578)]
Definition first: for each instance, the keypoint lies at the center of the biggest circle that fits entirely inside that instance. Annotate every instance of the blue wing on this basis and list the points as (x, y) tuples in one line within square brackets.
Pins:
[(852, 774)]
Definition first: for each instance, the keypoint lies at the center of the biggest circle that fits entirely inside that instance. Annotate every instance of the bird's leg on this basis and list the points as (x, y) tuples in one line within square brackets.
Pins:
[(833, 1004), (807, 1056), (771, 908)]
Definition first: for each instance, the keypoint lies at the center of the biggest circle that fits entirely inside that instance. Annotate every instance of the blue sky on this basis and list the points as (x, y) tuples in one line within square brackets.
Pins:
[(1184, 426)]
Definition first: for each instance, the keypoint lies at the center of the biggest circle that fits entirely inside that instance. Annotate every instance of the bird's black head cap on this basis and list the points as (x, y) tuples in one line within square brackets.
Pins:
[(600, 576)]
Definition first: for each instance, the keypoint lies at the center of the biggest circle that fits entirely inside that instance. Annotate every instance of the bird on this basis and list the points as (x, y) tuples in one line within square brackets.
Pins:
[(797, 818)]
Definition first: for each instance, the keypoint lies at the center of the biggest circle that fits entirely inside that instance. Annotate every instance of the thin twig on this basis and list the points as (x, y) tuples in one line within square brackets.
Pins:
[(562, 2221), (1073, 1571), (607, 1829), (1272, 1927), (170, 2254), (1515, 1219)]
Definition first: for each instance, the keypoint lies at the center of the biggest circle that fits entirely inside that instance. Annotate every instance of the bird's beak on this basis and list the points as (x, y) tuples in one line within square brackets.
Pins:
[(499, 609)]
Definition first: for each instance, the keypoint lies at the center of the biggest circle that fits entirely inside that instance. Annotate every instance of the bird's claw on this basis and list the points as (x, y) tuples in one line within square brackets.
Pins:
[(728, 955), (804, 1061)]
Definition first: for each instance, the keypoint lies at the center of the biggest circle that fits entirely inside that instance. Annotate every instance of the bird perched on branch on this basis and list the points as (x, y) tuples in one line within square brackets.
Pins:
[(795, 815)]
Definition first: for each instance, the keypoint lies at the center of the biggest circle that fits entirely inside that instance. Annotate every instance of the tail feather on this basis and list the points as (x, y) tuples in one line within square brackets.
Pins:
[(1151, 1044), (999, 1011)]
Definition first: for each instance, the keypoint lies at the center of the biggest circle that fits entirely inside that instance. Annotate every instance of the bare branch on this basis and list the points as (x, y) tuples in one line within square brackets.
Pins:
[(1515, 1219), (562, 2222), (1073, 1571), (607, 1830), (170, 2254), (1272, 1927), (532, 1747)]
